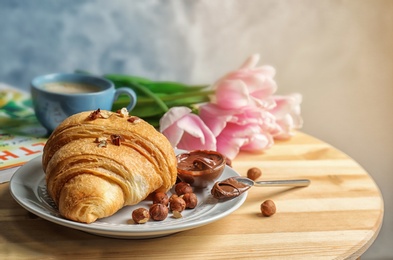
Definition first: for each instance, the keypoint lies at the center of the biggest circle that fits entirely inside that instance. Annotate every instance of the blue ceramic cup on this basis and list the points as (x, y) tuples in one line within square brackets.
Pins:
[(58, 96)]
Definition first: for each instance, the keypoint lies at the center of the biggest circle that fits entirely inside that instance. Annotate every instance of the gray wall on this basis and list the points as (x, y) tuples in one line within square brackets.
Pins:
[(338, 54)]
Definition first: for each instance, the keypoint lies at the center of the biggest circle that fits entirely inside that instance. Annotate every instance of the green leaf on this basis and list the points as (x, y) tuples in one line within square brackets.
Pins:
[(168, 87), (154, 98)]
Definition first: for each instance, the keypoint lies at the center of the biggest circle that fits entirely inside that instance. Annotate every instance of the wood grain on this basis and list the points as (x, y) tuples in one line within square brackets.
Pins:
[(337, 217)]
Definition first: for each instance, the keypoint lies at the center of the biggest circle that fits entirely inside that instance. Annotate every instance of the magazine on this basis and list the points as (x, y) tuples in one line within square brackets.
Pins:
[(22, 138)]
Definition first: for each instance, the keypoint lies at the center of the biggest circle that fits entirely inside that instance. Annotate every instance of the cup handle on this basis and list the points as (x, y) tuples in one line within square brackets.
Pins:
[(130, 93)]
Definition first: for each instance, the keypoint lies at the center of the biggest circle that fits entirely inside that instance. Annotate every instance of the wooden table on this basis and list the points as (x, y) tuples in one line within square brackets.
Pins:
[(337, 217)]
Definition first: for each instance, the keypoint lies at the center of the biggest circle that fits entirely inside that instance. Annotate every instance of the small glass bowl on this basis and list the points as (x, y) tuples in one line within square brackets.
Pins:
[(200, 168)]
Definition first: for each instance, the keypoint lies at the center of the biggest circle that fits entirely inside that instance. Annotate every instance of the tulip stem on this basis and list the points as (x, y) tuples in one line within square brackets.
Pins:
[(150, 94), (186, 95)]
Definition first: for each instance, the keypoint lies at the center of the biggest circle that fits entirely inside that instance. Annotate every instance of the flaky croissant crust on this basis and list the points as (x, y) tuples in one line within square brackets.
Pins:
[(96, 162)]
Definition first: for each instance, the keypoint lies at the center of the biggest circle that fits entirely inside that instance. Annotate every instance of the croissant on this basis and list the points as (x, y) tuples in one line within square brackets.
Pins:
[(97, 162)]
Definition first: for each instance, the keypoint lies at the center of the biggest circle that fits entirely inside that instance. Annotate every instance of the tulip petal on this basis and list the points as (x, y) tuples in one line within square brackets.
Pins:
[(251, 62), (229, 147), (232, 94), (174, 134), (174, 114), (267, 70), (214, 117), (196, 134), (262, 87), (287, 113), (231, 139), (258, 142)]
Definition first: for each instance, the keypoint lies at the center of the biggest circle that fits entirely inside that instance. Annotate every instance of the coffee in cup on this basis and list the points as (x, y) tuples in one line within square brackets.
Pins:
[(58, 96), (70, 87)]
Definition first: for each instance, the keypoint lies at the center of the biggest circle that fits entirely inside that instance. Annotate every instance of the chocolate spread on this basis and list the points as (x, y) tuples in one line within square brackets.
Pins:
[(228, 189), (199, 161), (200, 168)]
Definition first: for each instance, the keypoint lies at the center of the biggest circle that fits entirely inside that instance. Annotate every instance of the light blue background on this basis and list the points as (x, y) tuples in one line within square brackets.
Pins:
[(134, 37)]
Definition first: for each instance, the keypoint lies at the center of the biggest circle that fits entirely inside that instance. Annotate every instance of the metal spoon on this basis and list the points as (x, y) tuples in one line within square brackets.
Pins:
[(293, 183), (234, 186)]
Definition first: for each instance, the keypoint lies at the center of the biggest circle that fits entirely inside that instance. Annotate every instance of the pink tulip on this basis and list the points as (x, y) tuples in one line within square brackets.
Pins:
[(287, 114), (243, 115), (249, 85), (248, 128), (247, 138), (185, 130)]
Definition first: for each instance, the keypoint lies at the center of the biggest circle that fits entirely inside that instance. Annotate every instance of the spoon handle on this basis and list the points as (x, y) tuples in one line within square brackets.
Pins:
[(293, 183)]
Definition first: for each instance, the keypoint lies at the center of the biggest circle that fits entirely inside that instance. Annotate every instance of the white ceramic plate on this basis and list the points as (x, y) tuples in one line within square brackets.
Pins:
[(28, 188)]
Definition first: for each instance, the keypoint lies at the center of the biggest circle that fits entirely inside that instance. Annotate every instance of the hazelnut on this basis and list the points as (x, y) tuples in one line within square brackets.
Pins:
[(254, 173), (177, 214), (177, 204), (140, 215), (183, 188), (117, 139), (268, 208), (191, 200), (123, 112), (95, 114), (133, 119), (173, 196), (158, 211), (161, 197), (102, 141)]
